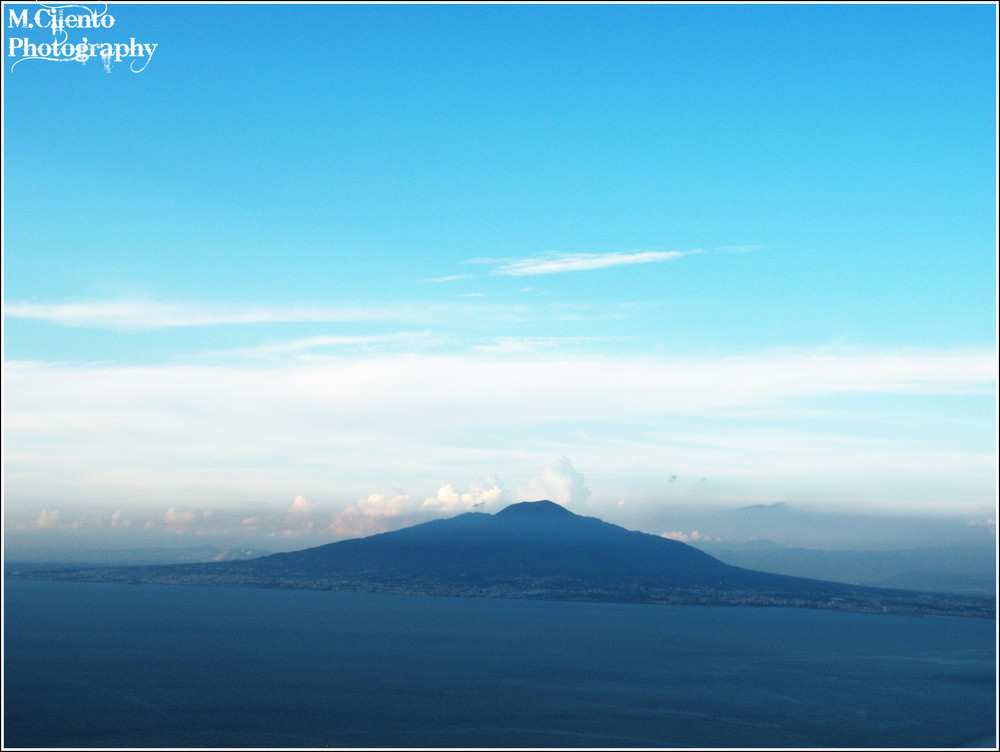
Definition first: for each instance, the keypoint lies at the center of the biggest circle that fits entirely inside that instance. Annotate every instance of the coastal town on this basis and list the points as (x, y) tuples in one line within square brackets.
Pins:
[(868, 600)]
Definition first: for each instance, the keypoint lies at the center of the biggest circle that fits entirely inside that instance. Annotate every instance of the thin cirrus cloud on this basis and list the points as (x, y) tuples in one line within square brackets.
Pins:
[(146, 315), (451, 278), (557, 263), (412, 341), (331, 341), (578, 262), (158, 315)]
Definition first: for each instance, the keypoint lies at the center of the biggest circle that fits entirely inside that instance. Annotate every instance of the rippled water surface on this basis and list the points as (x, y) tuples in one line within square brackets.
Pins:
[(89, 664)]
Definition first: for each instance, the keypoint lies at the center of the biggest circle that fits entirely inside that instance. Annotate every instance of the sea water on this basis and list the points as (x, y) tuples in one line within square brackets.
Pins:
[(110, 665)]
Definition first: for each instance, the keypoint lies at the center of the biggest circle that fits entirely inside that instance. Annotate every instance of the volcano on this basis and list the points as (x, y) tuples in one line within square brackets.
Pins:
[(535, 549)]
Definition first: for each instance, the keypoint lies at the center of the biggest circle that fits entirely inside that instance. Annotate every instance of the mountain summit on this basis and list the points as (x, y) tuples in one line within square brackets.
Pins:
[(534, 509), (535, 549)]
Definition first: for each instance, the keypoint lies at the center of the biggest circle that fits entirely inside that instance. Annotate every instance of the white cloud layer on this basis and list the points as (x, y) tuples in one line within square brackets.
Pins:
[(755, 426)]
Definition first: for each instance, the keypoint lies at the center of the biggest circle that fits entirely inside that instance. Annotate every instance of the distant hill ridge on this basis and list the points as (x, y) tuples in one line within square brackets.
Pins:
[(535, 549)]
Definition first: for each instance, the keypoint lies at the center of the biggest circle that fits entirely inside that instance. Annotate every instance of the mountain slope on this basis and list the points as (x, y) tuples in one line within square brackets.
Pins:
[(532, 539)]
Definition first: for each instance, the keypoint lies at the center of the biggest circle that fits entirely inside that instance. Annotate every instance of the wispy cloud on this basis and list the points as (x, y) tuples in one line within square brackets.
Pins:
[(155, 315), (146, 315), (476, 310), (314, 348), (557, 263), (505, 345), (451, 278), (326, 341)]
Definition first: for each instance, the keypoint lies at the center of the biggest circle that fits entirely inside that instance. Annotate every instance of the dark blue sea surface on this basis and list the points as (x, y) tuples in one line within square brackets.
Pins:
[(110, 665)]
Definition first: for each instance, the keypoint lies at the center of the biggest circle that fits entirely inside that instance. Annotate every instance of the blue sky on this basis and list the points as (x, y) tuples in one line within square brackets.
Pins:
[(320, 271)]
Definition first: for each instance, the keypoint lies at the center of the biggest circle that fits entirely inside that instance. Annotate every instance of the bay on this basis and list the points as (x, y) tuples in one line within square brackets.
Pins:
[(111, 665)]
